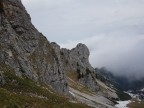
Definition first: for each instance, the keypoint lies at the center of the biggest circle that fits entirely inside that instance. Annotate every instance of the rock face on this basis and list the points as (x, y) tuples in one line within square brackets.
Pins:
[(76, 61), (2, 80), (29, 54), (26, 50)]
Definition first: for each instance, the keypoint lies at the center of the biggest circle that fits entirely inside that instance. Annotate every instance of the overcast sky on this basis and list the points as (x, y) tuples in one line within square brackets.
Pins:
[(112, 29)]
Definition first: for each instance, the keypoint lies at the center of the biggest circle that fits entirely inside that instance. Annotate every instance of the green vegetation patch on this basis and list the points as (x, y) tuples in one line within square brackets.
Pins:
[(22, 92), (123, 96)]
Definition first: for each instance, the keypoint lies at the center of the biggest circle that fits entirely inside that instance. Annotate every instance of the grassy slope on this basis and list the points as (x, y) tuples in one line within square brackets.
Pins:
[(22, 92), (73, 83), (136, 104)]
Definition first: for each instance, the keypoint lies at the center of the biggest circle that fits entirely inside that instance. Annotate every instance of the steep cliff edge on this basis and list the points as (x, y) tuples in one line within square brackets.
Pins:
[(82, 77), (26, 50), (77, 66), (30, 64)]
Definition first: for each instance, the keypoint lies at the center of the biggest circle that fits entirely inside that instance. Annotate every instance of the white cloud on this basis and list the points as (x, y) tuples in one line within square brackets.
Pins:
[(61, 20), (112, 29)]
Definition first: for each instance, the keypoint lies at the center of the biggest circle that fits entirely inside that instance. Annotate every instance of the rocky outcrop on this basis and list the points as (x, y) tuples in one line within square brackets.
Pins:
[(26, 50), (82, 77), (76, 63), (28, 54)]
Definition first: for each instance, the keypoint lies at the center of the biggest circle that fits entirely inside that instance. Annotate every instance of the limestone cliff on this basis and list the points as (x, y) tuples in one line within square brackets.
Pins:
[(26, 50), (28, 54), (76, 62), (81, 75)]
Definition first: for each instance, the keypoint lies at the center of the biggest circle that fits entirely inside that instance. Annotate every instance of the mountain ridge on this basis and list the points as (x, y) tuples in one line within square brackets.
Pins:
[(29, 60)]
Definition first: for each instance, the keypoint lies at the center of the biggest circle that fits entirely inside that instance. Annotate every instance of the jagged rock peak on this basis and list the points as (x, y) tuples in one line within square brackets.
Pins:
[(55, 46), (28, 54), (81, 52), (81, 49)]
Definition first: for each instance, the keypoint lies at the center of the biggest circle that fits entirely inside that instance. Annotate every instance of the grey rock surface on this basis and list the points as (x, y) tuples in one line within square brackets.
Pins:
[(2, 79), (76, 61), (95, 100), (31, 55), (26, 50)]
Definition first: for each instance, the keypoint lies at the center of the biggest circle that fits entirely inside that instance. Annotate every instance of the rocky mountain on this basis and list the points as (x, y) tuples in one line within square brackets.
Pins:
[(26, 50), (81, 77), (134, 87), (36, 73), (121, 83), (115, 82)]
